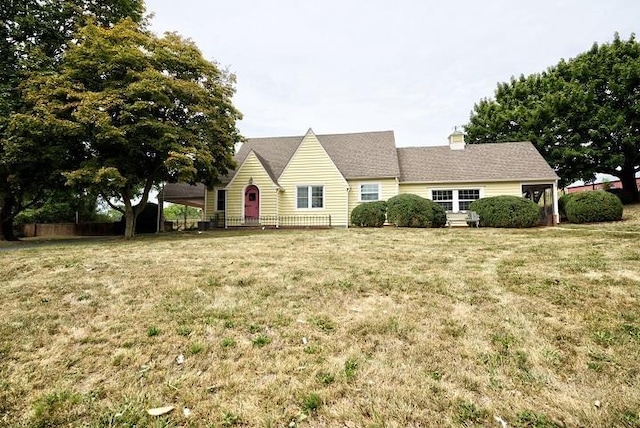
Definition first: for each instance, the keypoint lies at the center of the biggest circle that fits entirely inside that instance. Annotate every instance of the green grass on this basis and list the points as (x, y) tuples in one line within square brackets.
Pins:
[(384, 327)]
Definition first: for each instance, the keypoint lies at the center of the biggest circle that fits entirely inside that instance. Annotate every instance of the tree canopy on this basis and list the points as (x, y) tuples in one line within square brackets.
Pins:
[(131, 110), (583, 114), (34, 34)]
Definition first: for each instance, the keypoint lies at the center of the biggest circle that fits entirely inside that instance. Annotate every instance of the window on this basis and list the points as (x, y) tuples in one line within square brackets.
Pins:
[(465, 197), (369, 192), (221, 198), (444, 198), (310, 197), (455, 200)]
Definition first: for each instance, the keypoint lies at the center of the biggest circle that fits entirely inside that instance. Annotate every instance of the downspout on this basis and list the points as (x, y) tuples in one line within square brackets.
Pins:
[(347, 225), (277, 223)]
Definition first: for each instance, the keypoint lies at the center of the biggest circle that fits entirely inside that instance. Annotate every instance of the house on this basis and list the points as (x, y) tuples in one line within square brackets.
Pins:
[(313, 179)]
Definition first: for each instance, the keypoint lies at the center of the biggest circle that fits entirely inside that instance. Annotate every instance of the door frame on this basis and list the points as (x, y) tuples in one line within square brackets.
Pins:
[(244, 200)]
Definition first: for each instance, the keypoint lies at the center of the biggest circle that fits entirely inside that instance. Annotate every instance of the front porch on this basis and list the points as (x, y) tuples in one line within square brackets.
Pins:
[(546, 196)]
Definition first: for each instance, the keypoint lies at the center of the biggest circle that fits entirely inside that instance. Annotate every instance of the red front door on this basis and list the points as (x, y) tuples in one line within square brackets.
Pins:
[(251, 202)]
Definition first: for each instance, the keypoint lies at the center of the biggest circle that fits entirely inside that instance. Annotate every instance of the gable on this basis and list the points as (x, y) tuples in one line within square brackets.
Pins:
[(311, 162), (252, 169)]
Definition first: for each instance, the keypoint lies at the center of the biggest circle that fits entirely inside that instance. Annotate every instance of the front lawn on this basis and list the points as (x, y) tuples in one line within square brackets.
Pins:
[(358, 327)]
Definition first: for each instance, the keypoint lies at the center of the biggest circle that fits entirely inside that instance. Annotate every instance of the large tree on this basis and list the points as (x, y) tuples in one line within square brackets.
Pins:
[(33, 36), (583, 114), (132, 110)]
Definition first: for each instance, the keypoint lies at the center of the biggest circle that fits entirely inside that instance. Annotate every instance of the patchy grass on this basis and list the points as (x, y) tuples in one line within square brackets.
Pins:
[(384, 327)]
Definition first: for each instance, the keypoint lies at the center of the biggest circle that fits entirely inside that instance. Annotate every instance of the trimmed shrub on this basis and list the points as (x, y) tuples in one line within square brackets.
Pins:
[(369, 214), (410, 210), (562, 203), (506, 211), (593, 206)]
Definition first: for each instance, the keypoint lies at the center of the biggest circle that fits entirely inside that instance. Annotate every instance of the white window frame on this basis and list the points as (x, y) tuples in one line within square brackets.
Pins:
[(378, 192), (309, 188), (456, 196), (466, 200), (444, 200)]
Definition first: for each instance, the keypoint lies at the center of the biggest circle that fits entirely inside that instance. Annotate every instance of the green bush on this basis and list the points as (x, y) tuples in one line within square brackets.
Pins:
[(593, 206), (369, 214), (506, 211), (50, 213), (562, 203), (409, 210)]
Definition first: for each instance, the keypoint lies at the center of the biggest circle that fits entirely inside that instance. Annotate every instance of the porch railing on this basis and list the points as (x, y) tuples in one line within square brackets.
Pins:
[(220, 220)]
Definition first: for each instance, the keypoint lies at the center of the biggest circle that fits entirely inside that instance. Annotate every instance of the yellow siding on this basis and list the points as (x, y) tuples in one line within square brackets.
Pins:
[(210, 207), (209, 204), (388, 188), (251, 169), (310, 165), (488, 189)]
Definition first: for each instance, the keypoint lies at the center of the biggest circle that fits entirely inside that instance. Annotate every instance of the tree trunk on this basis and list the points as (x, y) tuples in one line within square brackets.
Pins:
[(629, 185), (130, 211), (6, 218), (130, 222)]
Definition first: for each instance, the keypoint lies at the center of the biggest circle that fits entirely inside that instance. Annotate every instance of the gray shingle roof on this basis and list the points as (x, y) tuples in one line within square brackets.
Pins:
[(183, 193), (477, 162), (183, 190), (357, 155), (363, 155), (274, 153)]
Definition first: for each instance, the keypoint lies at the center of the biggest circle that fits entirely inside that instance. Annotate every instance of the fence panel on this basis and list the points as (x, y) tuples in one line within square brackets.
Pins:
[(219, 220)]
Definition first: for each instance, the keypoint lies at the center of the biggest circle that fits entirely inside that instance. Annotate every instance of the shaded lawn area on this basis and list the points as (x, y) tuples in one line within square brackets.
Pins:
[(385, 327)]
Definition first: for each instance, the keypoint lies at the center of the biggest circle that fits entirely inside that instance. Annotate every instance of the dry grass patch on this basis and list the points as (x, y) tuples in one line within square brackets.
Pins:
[(388, 327)]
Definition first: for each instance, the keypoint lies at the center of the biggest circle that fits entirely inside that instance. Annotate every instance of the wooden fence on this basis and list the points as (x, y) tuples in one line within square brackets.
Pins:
[(70, 229)]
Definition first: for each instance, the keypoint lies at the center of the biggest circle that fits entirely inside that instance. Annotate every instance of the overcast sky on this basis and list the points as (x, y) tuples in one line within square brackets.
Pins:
[(414, 67)]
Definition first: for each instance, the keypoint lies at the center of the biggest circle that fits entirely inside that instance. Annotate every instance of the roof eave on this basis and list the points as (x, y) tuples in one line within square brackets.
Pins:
[(374, 177), (496, 180)]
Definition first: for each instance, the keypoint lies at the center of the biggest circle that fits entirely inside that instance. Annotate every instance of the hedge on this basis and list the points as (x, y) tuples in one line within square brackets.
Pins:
[(408, 210), (369, 214), (592, 206), (506, 211), (562, 203)]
